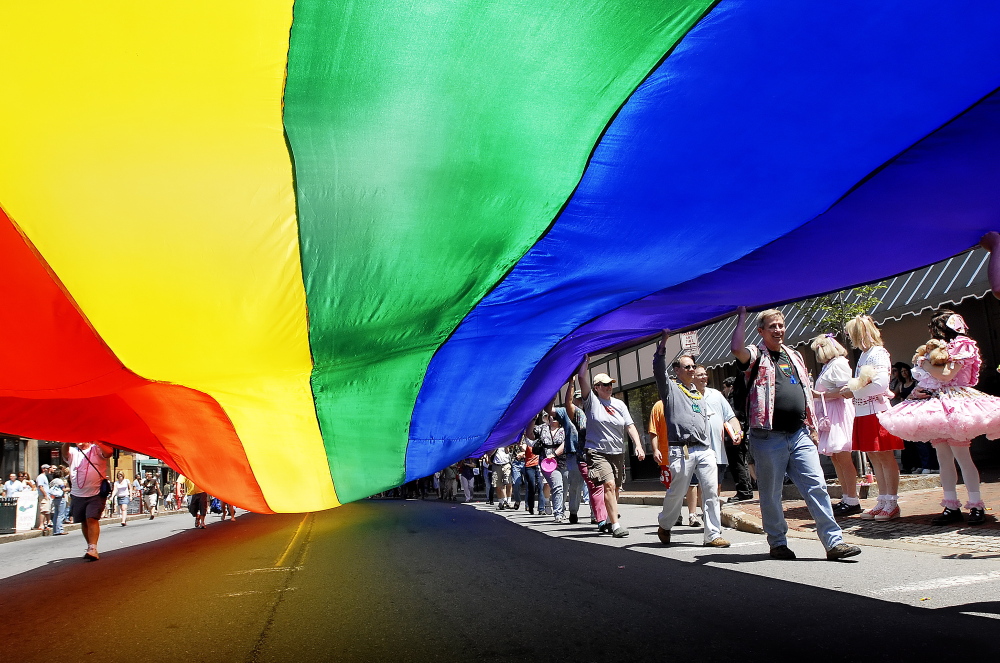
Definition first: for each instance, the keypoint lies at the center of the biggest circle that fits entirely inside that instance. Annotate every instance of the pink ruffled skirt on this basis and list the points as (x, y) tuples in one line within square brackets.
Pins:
[(841, 414), (957, 413)]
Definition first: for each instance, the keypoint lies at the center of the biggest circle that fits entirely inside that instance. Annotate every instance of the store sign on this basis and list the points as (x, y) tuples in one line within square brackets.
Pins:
[(27, 511)]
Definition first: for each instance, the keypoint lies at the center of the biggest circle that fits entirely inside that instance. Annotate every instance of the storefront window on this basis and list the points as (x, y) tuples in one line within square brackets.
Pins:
[(640, 401)]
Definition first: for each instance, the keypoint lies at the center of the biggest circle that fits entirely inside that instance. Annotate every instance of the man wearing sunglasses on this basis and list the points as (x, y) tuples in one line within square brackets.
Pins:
[(690, 450)]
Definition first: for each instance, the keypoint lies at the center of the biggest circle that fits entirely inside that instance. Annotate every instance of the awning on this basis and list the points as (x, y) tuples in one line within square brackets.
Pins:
[(947, 282)]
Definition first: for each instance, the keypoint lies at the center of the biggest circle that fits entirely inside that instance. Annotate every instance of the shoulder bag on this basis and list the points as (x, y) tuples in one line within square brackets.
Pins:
[(105, 488), (823, 421)]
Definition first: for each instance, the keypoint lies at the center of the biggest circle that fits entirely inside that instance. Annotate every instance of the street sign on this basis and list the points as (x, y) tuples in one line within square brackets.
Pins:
[(689, 343)]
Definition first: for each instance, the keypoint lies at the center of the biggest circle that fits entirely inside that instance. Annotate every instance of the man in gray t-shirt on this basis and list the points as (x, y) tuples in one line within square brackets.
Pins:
[(686, 416)]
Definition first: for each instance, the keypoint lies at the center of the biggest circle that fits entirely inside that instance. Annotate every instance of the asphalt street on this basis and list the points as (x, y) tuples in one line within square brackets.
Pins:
[(432, 581)]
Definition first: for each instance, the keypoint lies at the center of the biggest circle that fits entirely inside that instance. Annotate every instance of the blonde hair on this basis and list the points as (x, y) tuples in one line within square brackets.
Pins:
[(769, 313), (863, 332), (827, 348)]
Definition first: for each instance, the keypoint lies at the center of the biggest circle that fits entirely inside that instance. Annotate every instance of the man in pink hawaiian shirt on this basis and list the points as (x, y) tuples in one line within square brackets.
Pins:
[(781, 419)]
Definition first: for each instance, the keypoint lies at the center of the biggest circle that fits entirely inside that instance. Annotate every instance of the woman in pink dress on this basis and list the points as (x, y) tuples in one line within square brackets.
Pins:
[(954, 414), (835, 440)]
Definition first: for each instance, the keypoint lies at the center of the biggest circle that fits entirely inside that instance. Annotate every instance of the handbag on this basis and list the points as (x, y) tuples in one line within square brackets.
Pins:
[(823, 424)]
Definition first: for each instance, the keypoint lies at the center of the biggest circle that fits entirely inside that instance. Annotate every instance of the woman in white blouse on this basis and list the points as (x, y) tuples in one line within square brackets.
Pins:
[(122, 493), (835, 439), (870, 398)]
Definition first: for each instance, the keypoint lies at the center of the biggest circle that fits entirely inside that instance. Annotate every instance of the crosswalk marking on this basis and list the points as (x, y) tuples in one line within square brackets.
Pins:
[(938, 583)]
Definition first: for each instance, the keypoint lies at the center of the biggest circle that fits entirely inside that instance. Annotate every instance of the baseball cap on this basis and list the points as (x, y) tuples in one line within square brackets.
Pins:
[(603, 378)]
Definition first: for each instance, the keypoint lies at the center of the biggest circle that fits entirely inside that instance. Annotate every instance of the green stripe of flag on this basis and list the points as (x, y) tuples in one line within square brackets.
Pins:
[(433, 142)]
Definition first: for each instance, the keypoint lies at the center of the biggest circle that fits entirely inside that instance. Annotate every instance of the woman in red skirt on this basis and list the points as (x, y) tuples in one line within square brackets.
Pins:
[(869, 389)]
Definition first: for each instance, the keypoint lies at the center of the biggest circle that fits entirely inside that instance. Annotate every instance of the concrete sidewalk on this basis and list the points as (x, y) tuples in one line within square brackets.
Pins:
[(913, 529), (72, 527)]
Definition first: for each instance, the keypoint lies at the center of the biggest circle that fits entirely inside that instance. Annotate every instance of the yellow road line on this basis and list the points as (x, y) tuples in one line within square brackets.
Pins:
[(291, 544)]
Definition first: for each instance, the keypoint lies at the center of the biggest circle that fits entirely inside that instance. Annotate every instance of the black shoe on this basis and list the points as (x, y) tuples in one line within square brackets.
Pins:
[(605, 528), (501, 506), (948, 516), (680, 521), (531, 510), (517, 506), (976, 517), (573, 519), (740, 497), (782, 552), (842, 509), (842, 551), (663, 535)]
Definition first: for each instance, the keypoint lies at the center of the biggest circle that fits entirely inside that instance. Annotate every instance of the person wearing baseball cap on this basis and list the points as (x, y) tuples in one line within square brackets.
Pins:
[(44, 500), (608, 421)]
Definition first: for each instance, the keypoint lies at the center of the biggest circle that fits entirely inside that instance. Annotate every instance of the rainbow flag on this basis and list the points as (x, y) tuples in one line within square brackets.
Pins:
[(305, 251)]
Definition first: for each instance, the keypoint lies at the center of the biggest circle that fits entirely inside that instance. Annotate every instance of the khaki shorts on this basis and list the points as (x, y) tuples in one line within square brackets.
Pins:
[(500, 476), (602, 467)]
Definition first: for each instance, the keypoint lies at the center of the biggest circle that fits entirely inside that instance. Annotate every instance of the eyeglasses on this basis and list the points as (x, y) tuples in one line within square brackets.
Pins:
[(686, 367)]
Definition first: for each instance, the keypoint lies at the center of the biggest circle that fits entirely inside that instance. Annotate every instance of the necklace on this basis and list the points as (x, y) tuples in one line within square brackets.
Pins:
[(696, 395), (785, 364)]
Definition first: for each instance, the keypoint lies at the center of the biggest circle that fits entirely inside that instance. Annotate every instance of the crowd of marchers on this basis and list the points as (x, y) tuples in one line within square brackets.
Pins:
[(769, 425)]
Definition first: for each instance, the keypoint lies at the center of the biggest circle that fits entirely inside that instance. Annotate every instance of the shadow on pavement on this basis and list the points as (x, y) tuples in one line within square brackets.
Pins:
[(413, 581)]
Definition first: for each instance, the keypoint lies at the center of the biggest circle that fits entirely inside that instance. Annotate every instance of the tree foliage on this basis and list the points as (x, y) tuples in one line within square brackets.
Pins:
[(830, 312)]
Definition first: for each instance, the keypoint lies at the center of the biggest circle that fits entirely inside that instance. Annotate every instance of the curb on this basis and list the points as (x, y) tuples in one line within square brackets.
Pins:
[(907, 483), (732, 517), (641, 500), (36, 533)]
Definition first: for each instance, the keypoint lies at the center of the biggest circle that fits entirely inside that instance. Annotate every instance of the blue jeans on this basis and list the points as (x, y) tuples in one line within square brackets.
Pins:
[(776, 454), (573, 482), (516, 469), (529, 477), (489, 484), (555, 481), (58, 514)]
